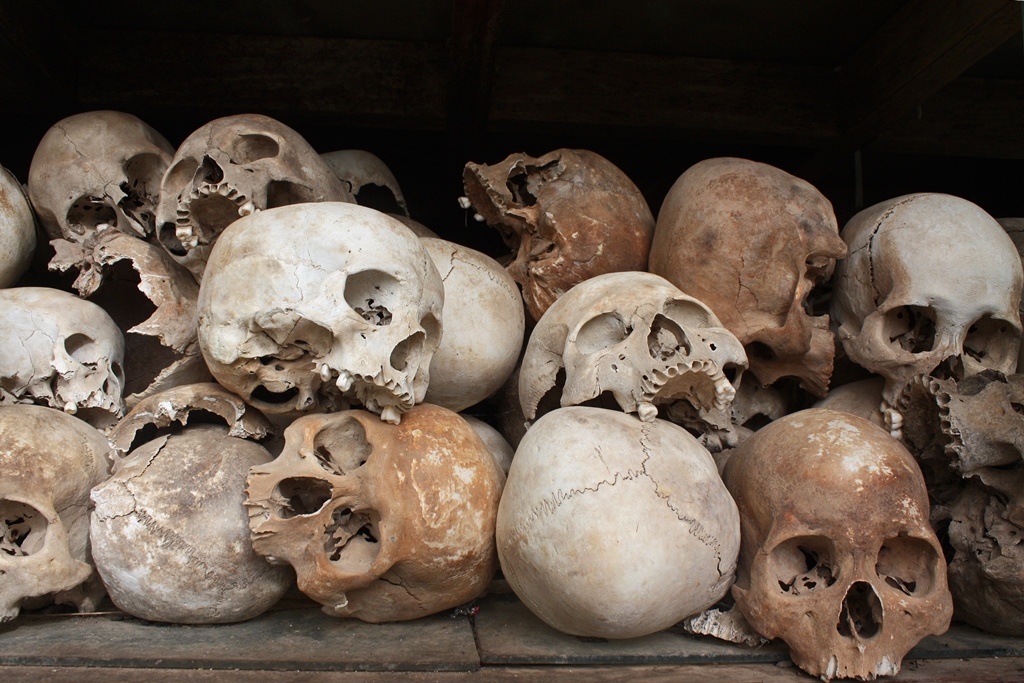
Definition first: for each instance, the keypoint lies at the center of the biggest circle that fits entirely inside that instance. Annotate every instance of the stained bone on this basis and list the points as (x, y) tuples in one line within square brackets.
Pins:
[(17, 229)]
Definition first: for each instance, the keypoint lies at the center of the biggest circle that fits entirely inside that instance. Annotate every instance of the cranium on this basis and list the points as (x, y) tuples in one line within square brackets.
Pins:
[(308, 306), (837, 556), (96, 171), (751, 241), (568, 216), (637, 337), (380, 522), (369, 180), (49, 461), (17, 229), (61, 351), (170, 532), (232, 167), (932, 286), (611, 527)]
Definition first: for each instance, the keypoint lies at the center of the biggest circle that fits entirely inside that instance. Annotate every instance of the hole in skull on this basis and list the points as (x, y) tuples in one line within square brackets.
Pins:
[(373, 294), (350, 540), (265, 395), (250, 147), (209, 172), (602, 332), (803, 564), (88, 212), (861, 615), (908, 564), (991, 342), (180, 175), (22, 529), (342, 447), (80, 348), (301, 496), (283, 193), (666, 339), (407, 352), (759, 351), (518, 184), (142, 186), (911, 327), (730, 371)]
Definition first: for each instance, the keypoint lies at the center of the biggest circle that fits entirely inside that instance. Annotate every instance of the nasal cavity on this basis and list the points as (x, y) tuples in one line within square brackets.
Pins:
[(861, 615)]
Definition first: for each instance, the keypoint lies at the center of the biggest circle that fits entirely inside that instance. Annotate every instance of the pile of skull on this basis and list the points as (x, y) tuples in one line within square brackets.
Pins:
[(262, 373)]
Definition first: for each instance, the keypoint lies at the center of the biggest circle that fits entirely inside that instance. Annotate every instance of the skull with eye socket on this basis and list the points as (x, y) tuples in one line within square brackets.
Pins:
[(837, 556), (309, 307), (932, 286)]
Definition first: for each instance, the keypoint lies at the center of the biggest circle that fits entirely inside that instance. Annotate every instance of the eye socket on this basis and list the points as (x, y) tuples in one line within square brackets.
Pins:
[(88, 212), (803, 565), (908, 565), (666, 339), (602, 332), (251, 147), (22, 529), (991, 342), (373, 294), (342, 447), (79, 347), (297, 496), (911, 328), (689, 312)]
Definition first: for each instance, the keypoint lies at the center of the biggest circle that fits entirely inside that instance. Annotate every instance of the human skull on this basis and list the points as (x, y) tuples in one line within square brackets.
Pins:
[(96, 171), (49, 461), (17, 229), (306, 307), (369, 180), (637, 337), (568, 216), (170, 531), (61, 351), (908, 304), (752, 241), (380, 522), (231, 167), (610, 527), (837, 556), (484, 325)]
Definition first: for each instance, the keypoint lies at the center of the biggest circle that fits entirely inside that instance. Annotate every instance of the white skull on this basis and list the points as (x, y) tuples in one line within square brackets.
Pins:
[(232, 167), (61, 351), (369, 180), (932, 286), (17, 229), (484, 321), (49, 462), (95, 171), (638, 337), (308, 306), (837, 556), (380, 522), (169, 530), (611, 527)]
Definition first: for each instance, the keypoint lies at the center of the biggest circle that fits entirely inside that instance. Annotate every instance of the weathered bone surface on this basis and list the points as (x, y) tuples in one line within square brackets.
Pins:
[(17, 229), (61, 351), (612, 527), (49, 461), (568, 216), (380, 522), (94, 172), (231, 167), (495, 442), (752, 241), (837, 556), (170, 531), (418, 228), (369, 180), (1014, 227), (484, 323), (862, 398), (909, 305), (639, 338), (305, 308)]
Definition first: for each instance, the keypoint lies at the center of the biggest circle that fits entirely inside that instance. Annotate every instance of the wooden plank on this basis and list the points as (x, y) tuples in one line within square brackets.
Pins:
[(291, 639), (378, 83)]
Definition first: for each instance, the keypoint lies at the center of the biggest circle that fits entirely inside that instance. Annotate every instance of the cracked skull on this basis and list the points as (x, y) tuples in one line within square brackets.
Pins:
[(49, 461), (380, 522), (568, 216), (95, 171), (752, 242), (610, 527), (837, 555), (307, 307), (61, 351), (909, 305), (231, 167), (639, 338)]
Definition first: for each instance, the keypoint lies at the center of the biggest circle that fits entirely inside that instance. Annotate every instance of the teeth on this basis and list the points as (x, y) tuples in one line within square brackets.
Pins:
[(647, 412), (893, 420), (100, 227), (478, 218), (391, 415), (725, 392), (325, 373), (247, 209), (464, 202), (183, 233), (70, 407), (344, 380)]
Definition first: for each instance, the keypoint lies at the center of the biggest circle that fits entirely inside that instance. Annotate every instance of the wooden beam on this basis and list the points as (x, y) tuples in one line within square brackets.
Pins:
[(926, 45), (475, 28)]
